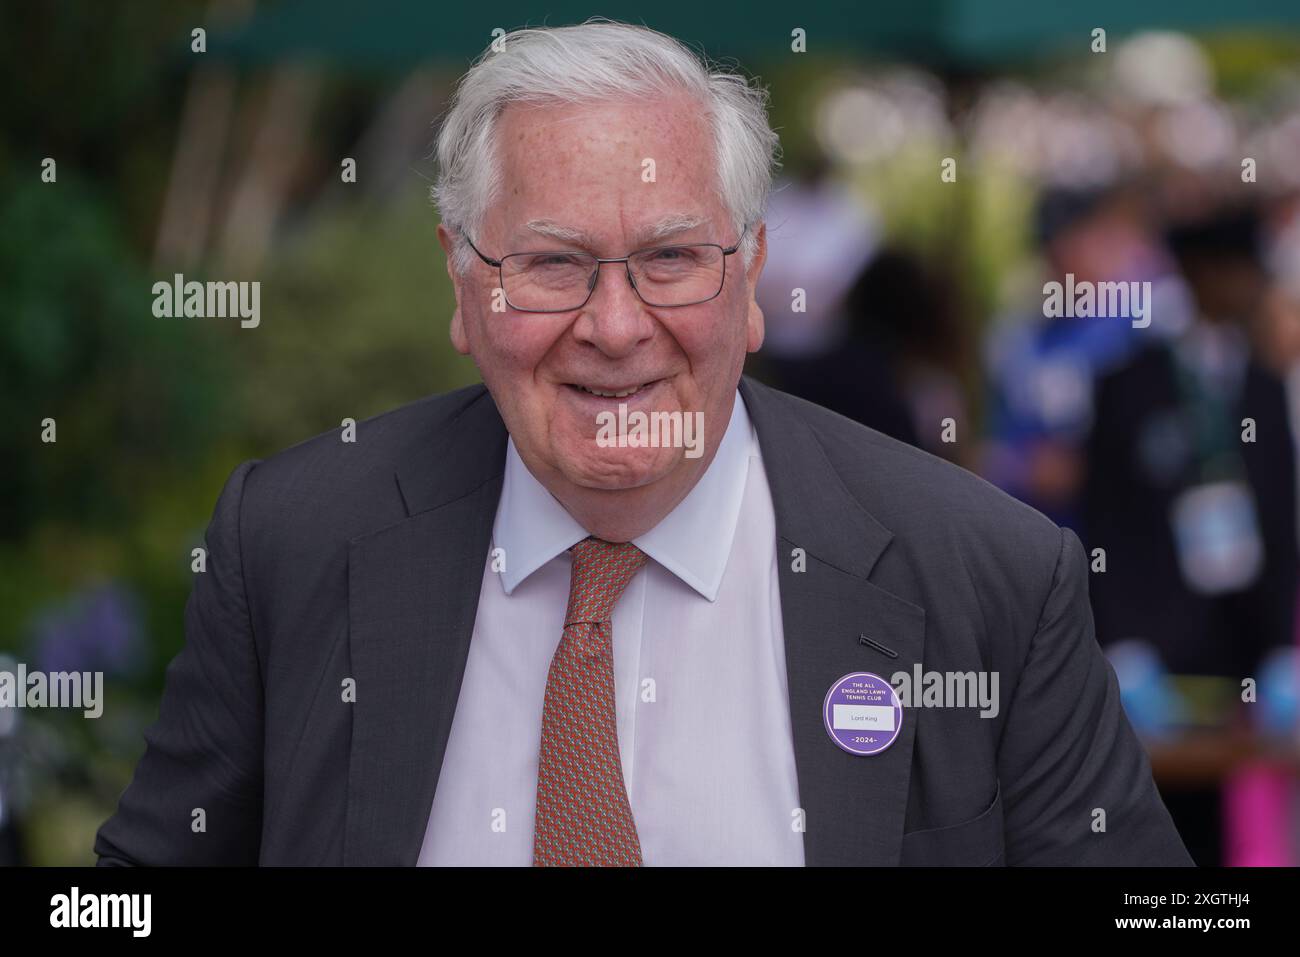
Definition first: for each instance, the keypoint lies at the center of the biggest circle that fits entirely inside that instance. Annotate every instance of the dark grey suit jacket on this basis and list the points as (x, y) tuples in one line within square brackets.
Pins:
[(364, 560)]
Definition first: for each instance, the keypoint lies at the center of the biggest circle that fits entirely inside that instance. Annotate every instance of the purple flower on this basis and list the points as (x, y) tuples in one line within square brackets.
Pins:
[(97, 629)]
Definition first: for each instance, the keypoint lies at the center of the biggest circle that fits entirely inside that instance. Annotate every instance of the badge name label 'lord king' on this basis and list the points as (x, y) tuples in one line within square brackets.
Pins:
[(862, 713)]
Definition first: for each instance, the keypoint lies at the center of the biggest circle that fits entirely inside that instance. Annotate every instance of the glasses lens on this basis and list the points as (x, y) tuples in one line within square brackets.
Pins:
[(678, 275), (547, 281)]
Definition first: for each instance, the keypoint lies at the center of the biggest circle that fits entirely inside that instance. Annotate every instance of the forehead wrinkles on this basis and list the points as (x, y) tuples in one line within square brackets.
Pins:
[(565, 160), (616, 134)]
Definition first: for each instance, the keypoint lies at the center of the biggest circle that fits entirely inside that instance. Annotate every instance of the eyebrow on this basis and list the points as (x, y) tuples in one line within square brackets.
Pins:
[(663, 229)]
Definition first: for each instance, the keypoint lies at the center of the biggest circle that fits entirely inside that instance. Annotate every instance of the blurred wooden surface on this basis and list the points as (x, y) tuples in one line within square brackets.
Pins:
[(1198, 758)]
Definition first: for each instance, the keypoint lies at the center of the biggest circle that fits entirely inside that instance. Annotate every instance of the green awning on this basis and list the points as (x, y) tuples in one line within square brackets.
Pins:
[(400, 33)]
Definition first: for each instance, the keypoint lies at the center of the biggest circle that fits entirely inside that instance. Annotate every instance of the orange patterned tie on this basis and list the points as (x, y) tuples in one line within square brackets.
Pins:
[(583, 815)]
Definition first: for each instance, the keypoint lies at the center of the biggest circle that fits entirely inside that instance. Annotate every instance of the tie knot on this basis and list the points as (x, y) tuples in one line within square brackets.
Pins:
[(601, 570)]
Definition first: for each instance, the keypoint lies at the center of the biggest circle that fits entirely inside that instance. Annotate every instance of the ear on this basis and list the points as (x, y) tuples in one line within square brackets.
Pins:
[(459, 341), (754, 321)]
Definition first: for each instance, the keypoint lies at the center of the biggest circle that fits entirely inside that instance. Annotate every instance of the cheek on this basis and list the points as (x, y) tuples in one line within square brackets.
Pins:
[(511, 343), (710, 328), (715, 341), (714, 349)]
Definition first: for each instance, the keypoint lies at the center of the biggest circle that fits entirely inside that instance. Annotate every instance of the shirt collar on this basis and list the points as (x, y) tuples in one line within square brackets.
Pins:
[(693, 541)]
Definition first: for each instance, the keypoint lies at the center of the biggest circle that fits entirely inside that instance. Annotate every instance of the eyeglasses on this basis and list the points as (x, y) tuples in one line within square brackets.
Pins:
[(562, 281)]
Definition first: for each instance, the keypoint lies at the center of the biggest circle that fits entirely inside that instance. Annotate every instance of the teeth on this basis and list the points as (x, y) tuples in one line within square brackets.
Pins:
[(610, 395)]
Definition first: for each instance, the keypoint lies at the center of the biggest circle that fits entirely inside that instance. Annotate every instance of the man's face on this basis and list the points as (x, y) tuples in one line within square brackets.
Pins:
[(584, 166)]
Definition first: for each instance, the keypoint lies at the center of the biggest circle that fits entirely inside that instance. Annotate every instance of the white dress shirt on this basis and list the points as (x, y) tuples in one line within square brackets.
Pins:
[(699, 670)]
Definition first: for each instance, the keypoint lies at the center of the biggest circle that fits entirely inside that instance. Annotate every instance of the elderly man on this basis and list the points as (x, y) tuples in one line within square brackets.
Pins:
[(621, 605)]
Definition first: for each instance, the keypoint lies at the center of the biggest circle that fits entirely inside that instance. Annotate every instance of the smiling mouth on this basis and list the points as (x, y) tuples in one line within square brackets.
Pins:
[(612, 393)]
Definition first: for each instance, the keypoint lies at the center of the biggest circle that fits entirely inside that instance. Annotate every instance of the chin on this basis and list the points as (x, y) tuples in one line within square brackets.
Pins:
[(615, 469)]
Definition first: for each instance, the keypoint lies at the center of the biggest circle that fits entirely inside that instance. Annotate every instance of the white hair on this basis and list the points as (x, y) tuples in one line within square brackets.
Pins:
[(600, 59)]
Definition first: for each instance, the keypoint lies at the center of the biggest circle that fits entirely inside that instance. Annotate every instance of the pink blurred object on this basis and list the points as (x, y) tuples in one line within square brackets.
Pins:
[(1257, 818)]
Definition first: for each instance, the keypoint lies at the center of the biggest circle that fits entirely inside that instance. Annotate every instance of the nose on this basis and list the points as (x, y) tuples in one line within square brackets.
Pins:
[(614, 320)]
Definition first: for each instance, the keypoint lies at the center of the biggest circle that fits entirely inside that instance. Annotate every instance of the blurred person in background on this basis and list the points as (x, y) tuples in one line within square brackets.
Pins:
[(821, 234), (1194, 506), (1261, 797), (1278, 329), (905, 308), (1042, 370), (860, 377)]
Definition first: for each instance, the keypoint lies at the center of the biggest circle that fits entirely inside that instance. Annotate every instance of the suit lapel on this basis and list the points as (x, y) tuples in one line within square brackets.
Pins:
[(413, 592), (854, 806)]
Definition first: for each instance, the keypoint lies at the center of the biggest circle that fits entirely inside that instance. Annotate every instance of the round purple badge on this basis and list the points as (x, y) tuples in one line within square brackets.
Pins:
[(862, 713)]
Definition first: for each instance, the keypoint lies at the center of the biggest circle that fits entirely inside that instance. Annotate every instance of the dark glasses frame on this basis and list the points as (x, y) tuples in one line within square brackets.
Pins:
[(595, 273)]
